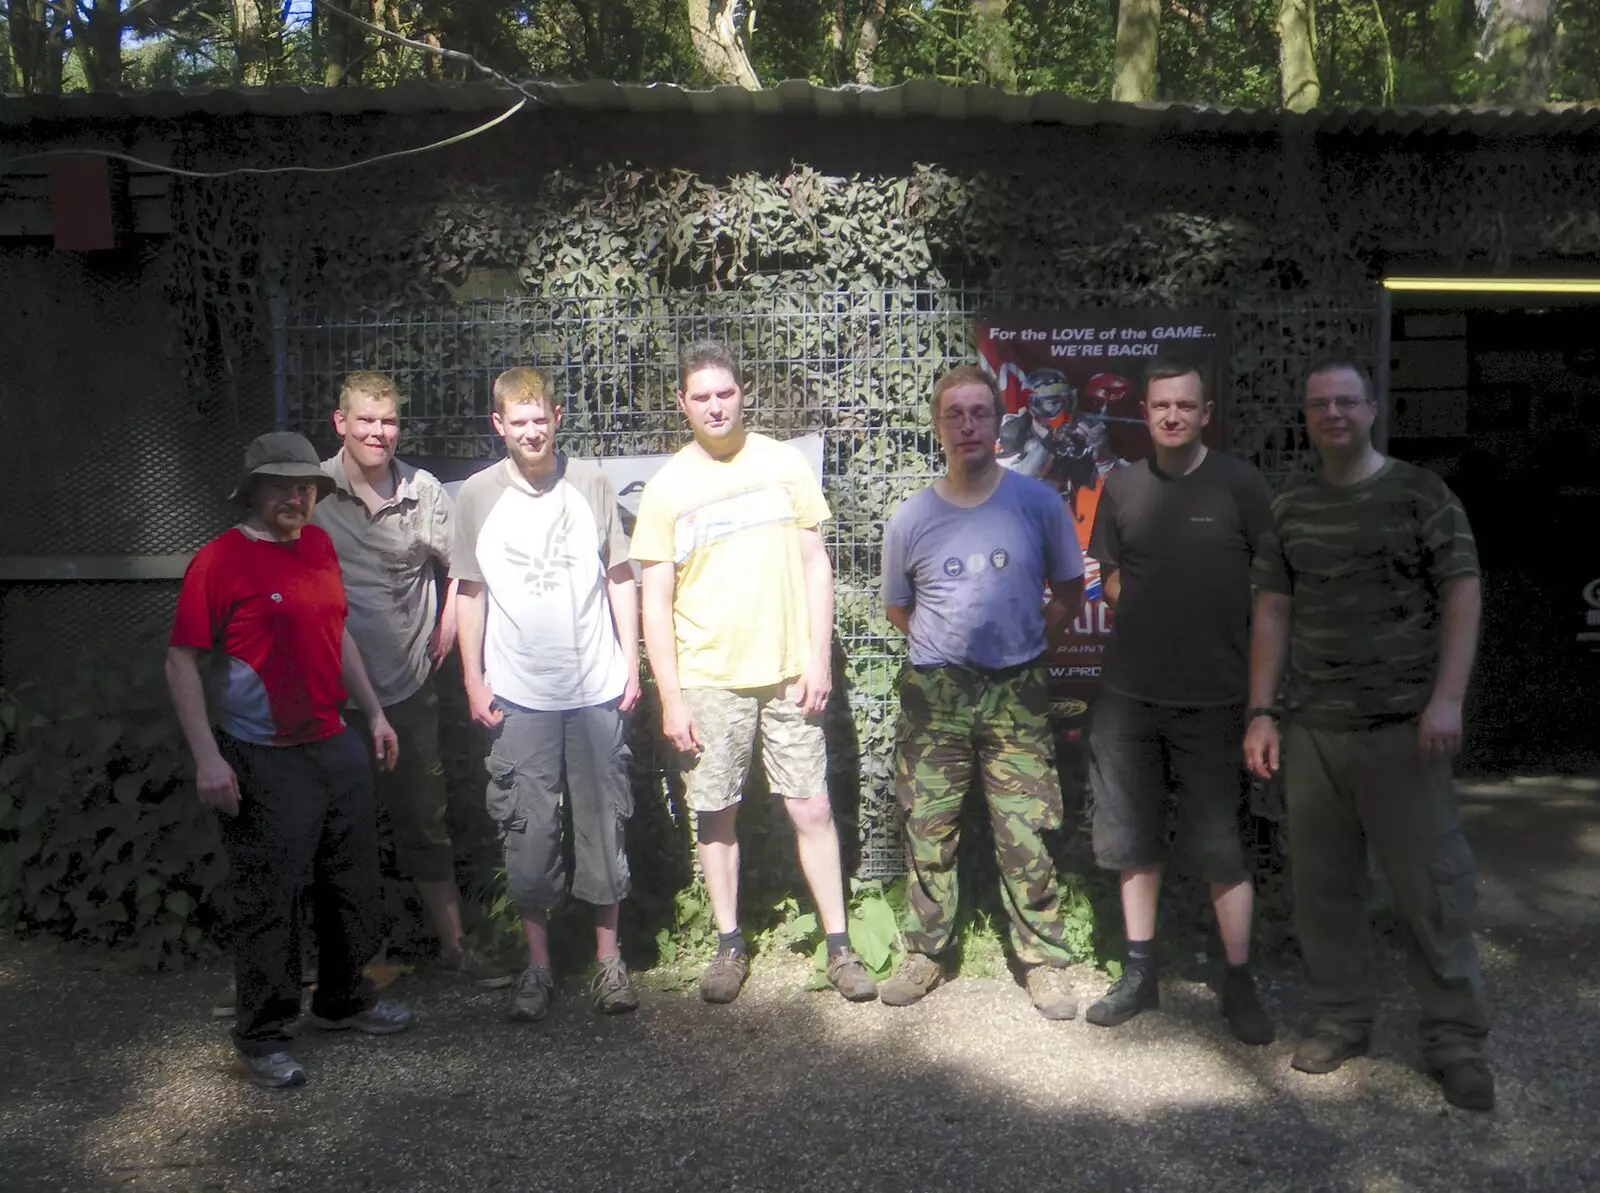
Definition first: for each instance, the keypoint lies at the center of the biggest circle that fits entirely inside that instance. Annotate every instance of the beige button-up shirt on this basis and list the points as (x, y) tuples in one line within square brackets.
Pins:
[(390, 576)]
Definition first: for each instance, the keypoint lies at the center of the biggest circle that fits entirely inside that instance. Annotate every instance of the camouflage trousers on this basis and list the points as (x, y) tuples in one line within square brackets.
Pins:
[(957, 725)]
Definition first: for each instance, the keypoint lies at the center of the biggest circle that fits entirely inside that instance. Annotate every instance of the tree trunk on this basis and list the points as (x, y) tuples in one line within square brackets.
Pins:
[(97, 35), (344, 41), (252, 53), (25, 30), (1138, 40), (717, 29), (1517, 48), (996, 53), (1297, 55), (867, 42)]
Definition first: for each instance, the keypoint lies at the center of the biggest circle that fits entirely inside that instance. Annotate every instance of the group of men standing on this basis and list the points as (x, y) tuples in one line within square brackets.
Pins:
[(1364, 578)]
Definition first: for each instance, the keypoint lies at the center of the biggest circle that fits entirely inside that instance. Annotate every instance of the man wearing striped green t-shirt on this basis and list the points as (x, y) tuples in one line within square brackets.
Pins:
[(1367, 585)]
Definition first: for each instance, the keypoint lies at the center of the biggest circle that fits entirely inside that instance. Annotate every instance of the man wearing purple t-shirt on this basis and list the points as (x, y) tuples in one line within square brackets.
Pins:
[(965, 566)]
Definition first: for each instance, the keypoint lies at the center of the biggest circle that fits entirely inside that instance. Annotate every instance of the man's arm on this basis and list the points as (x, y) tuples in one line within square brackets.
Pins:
[(661, 644), (816, 681), (444, 631), (1269, 647), (1066, 599), (385, 745), (1111, 586), (1462, 609), (899, 617), (472, 615), (623, 591), (214, 780)]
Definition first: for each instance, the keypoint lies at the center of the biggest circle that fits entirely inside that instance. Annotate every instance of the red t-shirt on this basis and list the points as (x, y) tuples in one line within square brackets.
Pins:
[(275, 612)]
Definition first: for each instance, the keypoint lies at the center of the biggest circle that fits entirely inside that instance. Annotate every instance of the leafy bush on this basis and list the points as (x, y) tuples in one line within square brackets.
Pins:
[(101, 837)]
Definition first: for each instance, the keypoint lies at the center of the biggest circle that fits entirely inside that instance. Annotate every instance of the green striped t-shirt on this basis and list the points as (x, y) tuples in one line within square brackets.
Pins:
[(1363, 565)]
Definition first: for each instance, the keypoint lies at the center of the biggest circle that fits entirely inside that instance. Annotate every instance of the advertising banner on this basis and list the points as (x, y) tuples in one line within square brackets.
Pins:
[(1072, 383)]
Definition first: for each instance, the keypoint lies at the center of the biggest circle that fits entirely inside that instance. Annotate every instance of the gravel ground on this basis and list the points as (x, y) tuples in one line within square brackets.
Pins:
[(110, 1080)]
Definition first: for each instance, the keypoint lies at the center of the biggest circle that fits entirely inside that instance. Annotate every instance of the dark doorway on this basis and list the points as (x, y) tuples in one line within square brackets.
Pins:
[(1505, 405)]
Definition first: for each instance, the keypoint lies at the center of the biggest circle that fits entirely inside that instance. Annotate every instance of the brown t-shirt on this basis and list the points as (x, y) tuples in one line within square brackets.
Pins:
[(1184, 546)]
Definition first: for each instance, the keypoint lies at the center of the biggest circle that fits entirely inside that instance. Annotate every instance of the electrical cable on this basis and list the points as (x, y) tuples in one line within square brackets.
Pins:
[(7, 164)]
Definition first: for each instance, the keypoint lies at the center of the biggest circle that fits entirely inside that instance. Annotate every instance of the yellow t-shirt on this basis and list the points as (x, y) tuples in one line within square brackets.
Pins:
[(732, 527)]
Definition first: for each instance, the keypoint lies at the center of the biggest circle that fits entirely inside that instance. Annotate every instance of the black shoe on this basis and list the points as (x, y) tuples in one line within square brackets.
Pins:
[(1138, 989), (1467, 1083), (1324, 1051), (1241, 1007)]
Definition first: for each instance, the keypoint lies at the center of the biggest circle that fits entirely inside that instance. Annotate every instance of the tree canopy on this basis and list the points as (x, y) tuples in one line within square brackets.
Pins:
[(1259, 53)]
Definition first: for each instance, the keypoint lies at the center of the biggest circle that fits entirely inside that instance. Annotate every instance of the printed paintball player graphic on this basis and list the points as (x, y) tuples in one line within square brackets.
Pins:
[(1060, 435)]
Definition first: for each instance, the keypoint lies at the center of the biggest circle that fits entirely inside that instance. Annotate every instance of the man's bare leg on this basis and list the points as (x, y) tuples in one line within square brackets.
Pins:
[(717, 840), (1233, 903), (817, 837)]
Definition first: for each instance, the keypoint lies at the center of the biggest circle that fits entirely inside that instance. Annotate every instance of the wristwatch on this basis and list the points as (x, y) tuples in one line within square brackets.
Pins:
[(1251, 714)]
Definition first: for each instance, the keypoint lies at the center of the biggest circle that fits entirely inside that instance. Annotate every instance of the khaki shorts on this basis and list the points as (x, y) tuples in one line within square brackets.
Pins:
[(792, 746)]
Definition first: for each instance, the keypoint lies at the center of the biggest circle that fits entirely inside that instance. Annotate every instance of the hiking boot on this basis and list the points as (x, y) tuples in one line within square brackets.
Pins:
[(467, 962), (1137, 990), (1241, 1007), (1324, 1051), (530, 1000), (1467, 1083), (725, 976), (611, 993), (274, 1071), (918, 974), (1051, 992), (226, 1004), (382, 1018), (847, 974)]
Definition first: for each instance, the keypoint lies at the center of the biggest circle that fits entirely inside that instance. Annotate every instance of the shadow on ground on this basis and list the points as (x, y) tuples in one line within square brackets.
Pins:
[(113, 1081)]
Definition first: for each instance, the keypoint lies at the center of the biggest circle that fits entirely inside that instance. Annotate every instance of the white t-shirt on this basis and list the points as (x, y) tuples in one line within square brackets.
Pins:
[(550, 643)]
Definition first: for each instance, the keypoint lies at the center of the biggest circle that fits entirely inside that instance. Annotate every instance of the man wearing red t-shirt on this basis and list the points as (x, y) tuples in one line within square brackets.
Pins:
[(294, 786)]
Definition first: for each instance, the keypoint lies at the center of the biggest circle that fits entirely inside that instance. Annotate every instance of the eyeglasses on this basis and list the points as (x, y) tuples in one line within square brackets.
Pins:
[(1344, 405), (967, 418)]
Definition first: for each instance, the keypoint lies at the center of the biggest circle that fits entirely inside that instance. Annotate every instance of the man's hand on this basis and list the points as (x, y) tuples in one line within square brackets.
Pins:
[(385, 743), (480, 703), (216, 784), (678, 727), (630, 691), (1261, 746), (443, 639), (1439, 733), (812, 689)]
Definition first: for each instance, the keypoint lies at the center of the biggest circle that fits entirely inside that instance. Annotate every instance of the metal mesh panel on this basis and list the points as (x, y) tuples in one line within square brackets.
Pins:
[(51, 628), (104, 450), (857, 366)]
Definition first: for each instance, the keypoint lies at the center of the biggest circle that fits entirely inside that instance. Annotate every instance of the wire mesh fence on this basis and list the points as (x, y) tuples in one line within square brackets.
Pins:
[(856, 366)]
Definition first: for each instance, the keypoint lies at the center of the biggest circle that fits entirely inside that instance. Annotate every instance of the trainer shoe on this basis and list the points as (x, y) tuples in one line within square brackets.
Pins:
[(530, 999), (467, 962), (847, 974), (918, 974), (273, 1071), (1137, 990), (1467, 1083), (1051, 992), (611, 992), (724, 977), (382, 1018), (1241, 1007), (1323, 1051)]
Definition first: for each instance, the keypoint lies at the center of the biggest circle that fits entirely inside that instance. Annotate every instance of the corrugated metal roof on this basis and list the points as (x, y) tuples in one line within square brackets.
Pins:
[(917, 98)]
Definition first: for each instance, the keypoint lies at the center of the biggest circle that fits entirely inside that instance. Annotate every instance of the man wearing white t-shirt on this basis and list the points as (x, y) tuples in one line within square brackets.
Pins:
[(548, 617)]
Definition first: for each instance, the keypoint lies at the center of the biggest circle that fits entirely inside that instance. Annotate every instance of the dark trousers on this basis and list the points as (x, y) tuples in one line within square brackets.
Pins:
[(1346, 790), (306, 818)]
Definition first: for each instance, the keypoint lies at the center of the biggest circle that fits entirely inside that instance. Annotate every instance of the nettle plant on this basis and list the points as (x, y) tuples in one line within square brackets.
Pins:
[(102, 840)]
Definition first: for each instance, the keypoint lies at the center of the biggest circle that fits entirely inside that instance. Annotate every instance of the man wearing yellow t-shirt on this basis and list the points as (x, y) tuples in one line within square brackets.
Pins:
[(738, 624)]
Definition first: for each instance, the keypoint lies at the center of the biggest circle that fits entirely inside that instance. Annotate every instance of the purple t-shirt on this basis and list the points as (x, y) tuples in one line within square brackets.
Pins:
[(975, 578)]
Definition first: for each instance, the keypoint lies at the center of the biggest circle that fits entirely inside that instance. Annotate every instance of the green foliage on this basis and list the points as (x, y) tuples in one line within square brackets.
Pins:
[(101, 838), (693, 935)]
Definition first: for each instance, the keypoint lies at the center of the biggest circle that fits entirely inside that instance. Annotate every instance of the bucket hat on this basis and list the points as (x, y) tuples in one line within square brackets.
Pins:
[(280, 454)]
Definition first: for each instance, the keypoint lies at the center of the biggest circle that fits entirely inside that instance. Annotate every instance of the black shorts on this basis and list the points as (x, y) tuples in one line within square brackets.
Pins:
[(1152, 769)]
